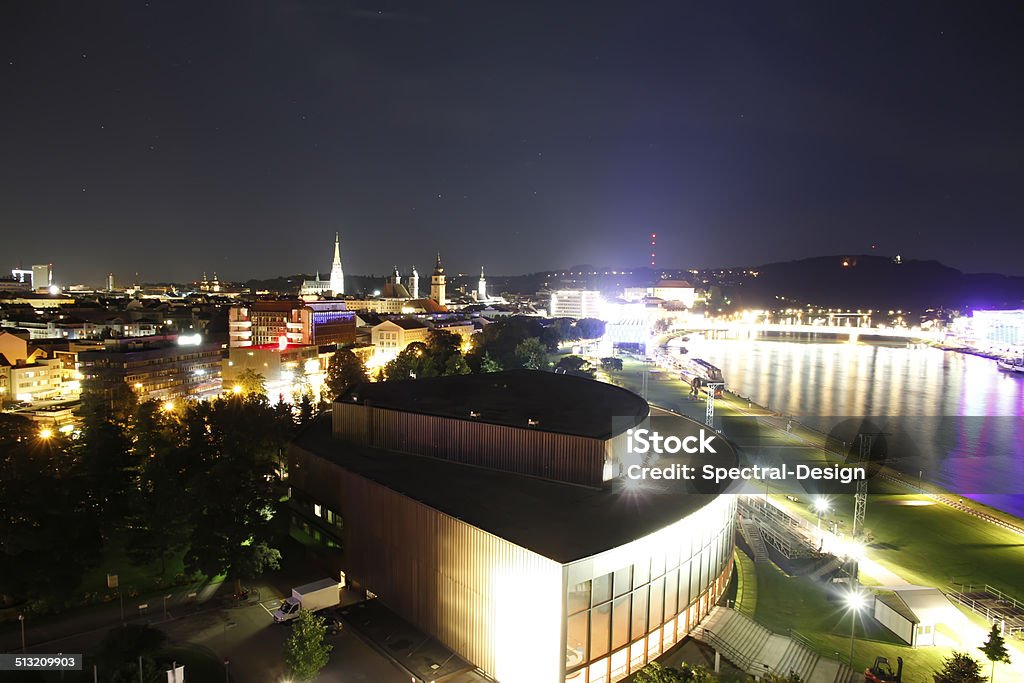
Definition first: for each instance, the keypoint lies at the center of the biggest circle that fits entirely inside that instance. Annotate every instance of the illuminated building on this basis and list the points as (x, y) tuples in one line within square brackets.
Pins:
[(483, 512), (31, 373), (437, 283), (993, 330), (156, 367), (481, 286), (575, 303), (391, 336), (677, 291), (334, 285), (301, 322), (284, 367), (42, 277)]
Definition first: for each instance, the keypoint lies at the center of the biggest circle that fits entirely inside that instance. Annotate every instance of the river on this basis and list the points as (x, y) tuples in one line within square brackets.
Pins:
[(952, 418)]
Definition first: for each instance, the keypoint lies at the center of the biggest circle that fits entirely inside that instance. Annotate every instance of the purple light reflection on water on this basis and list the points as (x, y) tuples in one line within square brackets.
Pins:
[(917, 392)]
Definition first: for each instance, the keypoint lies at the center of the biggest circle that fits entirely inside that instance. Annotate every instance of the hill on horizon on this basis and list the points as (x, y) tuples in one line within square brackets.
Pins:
[(878, 282)]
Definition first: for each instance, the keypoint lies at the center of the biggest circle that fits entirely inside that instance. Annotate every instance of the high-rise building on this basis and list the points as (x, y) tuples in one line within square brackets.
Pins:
[(110, 282), (437, 283), (42, 276)]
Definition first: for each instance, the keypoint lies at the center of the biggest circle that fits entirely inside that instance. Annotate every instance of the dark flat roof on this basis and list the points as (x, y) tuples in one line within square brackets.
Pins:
[(562, 522), (564, 404)]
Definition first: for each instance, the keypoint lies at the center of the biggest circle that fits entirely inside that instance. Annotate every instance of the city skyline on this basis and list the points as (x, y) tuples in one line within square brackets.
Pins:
[(178, 139)]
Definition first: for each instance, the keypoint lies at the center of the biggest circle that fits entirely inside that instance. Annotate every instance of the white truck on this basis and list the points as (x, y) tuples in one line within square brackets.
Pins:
[(312, 597)]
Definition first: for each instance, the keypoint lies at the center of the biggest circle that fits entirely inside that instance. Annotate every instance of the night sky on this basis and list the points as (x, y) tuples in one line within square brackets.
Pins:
[(176, 137)]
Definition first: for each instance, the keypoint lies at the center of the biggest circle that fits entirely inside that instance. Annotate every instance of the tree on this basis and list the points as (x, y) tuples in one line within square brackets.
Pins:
[(252, 383), (656, 673), (408, 364), (531, 354), (660, 326), (157, 525), (574, 365), (344, 370), (959, 668), (236, 496), (995, 649), (305, 651), (488, 364), (307, 408), (49, 533), (610, 364), (590, 328)]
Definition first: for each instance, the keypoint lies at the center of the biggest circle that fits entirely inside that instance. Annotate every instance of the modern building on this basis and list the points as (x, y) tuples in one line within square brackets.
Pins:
[(676, 291), (299, 322), (575, 303), (285, 368), (485, 510), (997, 331), (156, 367)]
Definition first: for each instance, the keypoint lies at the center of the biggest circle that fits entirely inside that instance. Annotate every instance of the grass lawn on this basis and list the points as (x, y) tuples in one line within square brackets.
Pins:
[(132, 579), (800, 604), (930, 543)]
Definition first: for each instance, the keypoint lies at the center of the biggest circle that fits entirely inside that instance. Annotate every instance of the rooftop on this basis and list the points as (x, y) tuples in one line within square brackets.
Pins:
[(556, 403), (559, 521)]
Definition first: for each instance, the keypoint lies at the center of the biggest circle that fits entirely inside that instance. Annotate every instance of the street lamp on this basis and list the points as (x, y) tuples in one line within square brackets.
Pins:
[(821, 506), (21, 618), (855, 602)]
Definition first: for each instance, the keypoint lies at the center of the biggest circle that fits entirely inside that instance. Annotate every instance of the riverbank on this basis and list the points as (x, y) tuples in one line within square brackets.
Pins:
[(917, 533)]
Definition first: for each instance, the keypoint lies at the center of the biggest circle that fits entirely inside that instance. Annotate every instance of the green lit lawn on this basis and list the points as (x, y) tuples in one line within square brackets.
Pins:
[(785, 602)]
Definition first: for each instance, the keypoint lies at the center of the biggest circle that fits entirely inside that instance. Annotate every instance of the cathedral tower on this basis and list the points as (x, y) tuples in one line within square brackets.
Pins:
[(437, 280)]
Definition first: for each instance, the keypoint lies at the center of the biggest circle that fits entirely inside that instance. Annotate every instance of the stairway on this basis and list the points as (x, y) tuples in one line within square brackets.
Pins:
[(757, 650), (752, 535)]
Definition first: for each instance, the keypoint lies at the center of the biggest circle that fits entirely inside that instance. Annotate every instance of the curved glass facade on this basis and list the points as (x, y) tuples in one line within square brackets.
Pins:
[(617, 621)]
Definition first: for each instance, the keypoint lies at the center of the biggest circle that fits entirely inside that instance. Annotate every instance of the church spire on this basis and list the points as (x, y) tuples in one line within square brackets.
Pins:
[(337, 274)]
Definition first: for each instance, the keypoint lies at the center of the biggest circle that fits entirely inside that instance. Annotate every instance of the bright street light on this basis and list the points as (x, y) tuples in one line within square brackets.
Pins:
[(821, 505), (855, 602), (169, 406), (45, 433)]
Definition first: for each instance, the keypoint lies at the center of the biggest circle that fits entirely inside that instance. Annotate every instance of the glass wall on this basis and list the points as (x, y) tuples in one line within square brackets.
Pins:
[(619, 621)]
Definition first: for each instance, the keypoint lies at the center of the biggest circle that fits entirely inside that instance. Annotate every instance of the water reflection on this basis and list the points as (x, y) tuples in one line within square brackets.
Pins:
[(982, 458)]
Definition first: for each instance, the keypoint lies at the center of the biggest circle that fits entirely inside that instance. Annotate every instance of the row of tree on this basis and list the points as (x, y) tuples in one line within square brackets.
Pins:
[(197, 480), (510, 343)]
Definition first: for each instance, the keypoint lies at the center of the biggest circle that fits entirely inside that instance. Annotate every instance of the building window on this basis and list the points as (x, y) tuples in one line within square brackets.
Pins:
[(578, 598), (576, 640), (623, 581), (600, 624), (602, 589), (620, 622)]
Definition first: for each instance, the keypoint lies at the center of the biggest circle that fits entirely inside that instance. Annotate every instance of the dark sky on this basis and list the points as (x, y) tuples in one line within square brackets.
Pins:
[(177, 137)]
